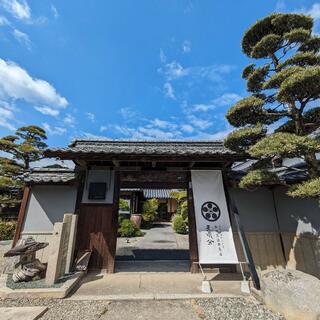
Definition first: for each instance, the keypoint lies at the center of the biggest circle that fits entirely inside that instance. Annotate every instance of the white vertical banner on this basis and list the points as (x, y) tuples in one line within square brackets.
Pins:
[(214, 233)]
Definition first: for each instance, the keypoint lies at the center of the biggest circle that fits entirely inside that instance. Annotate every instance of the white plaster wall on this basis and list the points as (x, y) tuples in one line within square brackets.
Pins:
[(256, 209), (297, 215), (47, 205), (106, 176)]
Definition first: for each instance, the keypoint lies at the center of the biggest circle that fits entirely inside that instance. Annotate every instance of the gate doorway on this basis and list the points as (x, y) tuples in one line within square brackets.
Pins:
[(158, 247), (160, 240)]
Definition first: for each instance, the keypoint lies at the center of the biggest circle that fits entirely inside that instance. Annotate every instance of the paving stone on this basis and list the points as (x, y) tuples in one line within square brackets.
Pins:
[(22, 313)]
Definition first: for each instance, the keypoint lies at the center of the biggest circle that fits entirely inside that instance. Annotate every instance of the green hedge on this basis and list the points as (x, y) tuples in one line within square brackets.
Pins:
[(180, 225), (7, 230), (128, 229)]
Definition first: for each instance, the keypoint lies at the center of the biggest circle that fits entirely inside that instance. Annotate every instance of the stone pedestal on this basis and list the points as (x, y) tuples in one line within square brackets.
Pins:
[(61, 248)]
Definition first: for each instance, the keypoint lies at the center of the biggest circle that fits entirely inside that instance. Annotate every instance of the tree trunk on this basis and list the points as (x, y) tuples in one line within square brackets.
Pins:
[(26, 163), (312, 165)]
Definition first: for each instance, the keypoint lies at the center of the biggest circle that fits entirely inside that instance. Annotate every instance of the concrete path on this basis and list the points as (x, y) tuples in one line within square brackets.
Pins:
[(153, 285), (159, 243), (22, 313)]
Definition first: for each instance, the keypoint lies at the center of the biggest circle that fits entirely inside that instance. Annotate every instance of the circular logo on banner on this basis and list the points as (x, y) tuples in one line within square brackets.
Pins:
[(210, 211)]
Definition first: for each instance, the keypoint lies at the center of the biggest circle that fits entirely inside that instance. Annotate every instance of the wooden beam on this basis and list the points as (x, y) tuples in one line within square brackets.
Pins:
[(191, 164), (114, 223), (193, 241), (154, 185), (154, 176), (21, 216), (128, 168), (116, 163), (81, 163)]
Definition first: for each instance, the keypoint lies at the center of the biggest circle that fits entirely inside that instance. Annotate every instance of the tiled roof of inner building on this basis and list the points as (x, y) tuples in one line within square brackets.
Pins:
[(50, 175), (119, 147)]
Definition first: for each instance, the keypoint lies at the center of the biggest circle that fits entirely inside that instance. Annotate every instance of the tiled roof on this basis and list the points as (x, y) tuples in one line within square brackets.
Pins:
[(148, 148), (152, 193), (50, 175), (157, 193)]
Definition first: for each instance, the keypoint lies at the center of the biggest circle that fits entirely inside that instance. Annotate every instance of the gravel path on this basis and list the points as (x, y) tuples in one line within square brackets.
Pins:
[(236, 309), (209, 309), (4, 246)]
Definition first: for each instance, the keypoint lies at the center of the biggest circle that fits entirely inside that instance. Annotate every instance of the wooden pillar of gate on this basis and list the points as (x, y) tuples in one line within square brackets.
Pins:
[(114, 225), (193, 241)]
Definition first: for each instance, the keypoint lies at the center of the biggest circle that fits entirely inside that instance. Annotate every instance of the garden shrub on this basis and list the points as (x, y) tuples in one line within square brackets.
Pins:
[(129, 229), (180, 225), (149, 212), (7, 230), (181, 197), (124, 205)]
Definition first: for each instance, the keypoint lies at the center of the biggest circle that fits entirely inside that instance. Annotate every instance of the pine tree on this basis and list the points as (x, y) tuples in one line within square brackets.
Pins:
[(26, 146), (284, 84)]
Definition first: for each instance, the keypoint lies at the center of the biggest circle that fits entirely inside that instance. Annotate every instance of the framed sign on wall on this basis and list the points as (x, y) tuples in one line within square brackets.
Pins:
[(97, 191)]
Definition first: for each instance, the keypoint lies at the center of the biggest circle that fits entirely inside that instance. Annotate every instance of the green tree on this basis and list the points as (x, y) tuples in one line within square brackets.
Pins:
[(123, 205), (182, 208), (26, 146), (283, 83), (149, 211), (10, 182)]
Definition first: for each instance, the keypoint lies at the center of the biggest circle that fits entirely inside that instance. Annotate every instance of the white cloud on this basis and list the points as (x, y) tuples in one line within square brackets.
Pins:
[(220, 135), (17, 84), (314, 12), (174, 70), (127, 114), (188, 128), (202, 107), (226, 99), (6, 117), (90, 116), (169, 91), (200, 123), (162, 56), (155, 133), (148, 133), (162, 124), (88, 135), (54, 11), (19, 9), (186, 46), (280, 5), (53, 130), (103, 128), (22, 37), (48, 111), (4, 21), (69, 120)]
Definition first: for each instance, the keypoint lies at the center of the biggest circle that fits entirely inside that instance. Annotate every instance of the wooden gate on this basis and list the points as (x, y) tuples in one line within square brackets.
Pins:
[(96, 232)]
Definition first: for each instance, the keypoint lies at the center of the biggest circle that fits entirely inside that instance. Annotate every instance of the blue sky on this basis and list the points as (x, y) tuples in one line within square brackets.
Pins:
[(147, 69)]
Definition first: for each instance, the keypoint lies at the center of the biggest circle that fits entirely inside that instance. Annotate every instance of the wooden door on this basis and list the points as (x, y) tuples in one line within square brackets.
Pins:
[(97, 232)]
